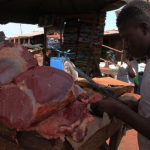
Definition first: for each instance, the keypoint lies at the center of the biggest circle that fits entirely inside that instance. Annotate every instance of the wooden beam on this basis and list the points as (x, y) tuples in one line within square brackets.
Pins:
[(7, 145), (112, 48), (108, 61), (19, 41), (28, 40), (45, 45), (78, 16), (91, 45)]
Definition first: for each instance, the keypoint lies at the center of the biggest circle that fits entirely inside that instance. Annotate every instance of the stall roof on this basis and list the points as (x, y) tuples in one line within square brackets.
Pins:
[(28, 11), (111, 32), (27, 35)]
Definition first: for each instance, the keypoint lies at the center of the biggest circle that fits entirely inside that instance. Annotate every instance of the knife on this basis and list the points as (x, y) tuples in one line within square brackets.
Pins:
[(97, 86)]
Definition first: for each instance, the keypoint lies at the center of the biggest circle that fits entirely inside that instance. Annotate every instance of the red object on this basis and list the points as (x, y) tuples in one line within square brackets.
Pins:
[(72, 120), (31, 93), (14, 59), (34, 95)]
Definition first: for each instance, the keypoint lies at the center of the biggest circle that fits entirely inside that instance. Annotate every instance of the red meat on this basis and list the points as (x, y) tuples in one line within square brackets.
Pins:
[(35, 95), (14, 59), (72, 120)]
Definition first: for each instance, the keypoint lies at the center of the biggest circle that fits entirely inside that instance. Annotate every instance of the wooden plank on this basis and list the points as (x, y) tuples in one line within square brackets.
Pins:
[(88, 63), (97, 64), (78, 16), (7, 145), (101, 136), (109, 61), (91, 45), (116, 139), (112, 48), (105, 147), (45, 45), (28, 140)]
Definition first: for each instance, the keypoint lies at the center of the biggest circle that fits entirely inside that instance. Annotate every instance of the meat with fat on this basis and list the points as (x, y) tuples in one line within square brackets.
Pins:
[(35, 95), (72, 120), (14, 59)]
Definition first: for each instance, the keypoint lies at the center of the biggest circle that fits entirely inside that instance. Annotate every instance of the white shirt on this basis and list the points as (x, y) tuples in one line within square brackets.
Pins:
[(123, 72), (144, 105)]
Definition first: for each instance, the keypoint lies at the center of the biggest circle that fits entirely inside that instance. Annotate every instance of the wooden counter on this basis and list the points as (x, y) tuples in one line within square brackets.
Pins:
[(28, 141)]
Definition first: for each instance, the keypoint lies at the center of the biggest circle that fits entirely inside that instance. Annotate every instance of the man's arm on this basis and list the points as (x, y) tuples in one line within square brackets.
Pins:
[(130, 69), (124, 113)]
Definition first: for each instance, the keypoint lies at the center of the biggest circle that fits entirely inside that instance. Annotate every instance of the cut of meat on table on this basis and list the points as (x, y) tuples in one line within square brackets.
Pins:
[(44, 96), (14, 59), (72, 120), (34, 95), (93, 95)]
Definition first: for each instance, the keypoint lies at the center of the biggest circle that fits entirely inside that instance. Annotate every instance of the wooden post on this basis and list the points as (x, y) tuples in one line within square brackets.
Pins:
[(122, 55), (29, 41), (91, 45), (23, 41), (45, 45), (18, 40), (14, 40), (61, 28)]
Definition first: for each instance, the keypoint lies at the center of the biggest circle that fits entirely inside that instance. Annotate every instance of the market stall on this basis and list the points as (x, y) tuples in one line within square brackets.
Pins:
[(24, 139), (99, 131)]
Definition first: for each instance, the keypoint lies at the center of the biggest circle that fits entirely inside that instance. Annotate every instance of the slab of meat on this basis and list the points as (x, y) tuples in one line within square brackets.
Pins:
[(34, 95), (90, 96), (14, 59), (72, 120)]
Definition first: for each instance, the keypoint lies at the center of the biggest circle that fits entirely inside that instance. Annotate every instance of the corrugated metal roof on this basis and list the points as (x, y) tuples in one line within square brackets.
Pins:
[(27, 35), (110, 32)]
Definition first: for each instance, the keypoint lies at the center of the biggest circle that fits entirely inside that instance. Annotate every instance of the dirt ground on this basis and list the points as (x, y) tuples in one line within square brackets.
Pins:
[(129, 142)]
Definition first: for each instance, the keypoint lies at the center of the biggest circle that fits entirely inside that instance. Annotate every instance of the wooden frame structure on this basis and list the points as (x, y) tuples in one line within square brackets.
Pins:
[(90, 49)]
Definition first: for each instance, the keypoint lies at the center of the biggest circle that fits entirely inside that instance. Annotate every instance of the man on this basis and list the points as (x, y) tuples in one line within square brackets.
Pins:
[(128, 70), (134, 26)]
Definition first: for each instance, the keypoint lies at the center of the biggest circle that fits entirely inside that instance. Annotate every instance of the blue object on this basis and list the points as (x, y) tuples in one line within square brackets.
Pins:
[(58, 62), (140, 81)]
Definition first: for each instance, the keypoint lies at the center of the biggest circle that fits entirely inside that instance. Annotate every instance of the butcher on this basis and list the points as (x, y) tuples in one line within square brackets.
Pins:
[(134, 27)]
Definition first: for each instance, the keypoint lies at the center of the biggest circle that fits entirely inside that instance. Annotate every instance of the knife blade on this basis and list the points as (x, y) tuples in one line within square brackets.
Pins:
[(96, 85)]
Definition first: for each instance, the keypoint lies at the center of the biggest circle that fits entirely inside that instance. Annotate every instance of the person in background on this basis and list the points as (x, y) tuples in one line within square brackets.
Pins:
[(134, 27), (128, 70), (139, 76)]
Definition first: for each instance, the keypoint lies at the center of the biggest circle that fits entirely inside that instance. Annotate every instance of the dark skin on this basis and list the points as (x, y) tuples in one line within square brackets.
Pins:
[(127, 61), (136, 38)]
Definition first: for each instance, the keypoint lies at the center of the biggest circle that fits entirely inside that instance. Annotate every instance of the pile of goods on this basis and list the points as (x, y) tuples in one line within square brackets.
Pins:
[(40, 99)]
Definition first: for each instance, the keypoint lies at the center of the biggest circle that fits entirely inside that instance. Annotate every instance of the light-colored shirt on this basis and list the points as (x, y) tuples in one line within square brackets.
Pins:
[(144, 105), (123, 72)]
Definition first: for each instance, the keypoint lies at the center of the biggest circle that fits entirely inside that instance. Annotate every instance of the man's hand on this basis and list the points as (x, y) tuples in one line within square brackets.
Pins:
[(132, 105), (108, 105)]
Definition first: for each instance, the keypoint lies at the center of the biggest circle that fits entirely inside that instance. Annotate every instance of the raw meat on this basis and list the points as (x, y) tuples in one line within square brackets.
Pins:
[(14, 59), (44, 96), (34, 95), (72, 120), (90, 96)]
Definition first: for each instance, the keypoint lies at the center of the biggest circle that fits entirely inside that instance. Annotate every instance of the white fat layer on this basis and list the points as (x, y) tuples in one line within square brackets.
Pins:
[(76, 94), (22, 86)]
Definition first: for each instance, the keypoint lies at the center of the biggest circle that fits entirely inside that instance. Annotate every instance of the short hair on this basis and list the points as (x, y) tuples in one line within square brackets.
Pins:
[(133, 10)]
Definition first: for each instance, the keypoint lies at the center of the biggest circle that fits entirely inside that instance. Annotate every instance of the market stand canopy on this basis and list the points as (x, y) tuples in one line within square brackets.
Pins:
[(29, 11)]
